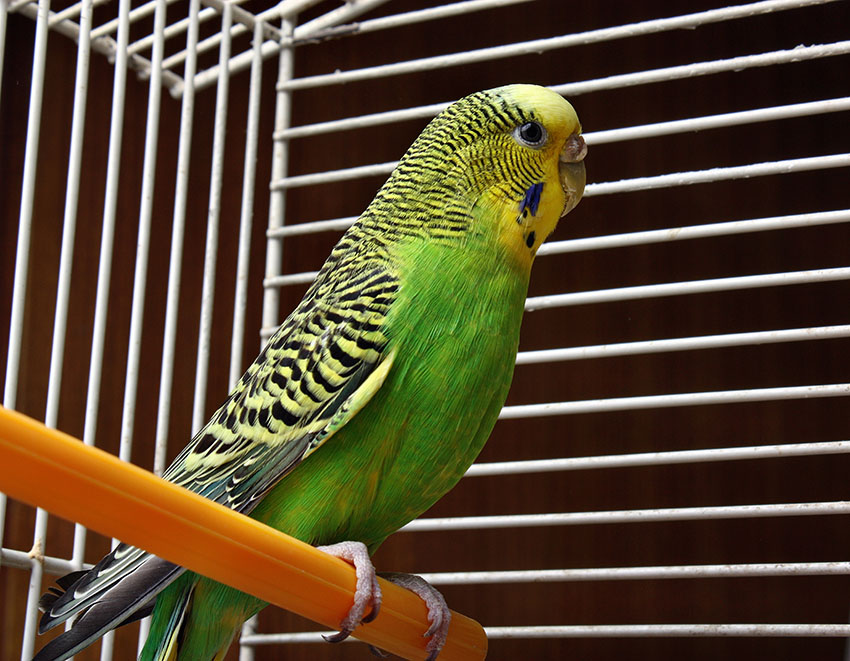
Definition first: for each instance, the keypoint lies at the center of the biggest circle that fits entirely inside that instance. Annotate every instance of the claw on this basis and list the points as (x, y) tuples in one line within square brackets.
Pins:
[(372, 613), (366, 594), (337, 637), (439, 614)]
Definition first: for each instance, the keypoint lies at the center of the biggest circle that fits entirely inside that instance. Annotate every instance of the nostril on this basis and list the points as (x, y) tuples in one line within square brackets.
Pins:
[(574, 150)]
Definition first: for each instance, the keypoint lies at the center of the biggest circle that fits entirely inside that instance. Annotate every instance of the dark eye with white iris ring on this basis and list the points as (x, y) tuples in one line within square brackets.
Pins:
[(530, 134)]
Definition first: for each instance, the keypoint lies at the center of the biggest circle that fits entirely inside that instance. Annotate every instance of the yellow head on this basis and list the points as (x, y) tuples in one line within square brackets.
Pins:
[(547, 153), (505, 163)]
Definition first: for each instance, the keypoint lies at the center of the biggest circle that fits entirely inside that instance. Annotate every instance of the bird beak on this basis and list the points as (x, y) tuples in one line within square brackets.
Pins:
[(571, 171)]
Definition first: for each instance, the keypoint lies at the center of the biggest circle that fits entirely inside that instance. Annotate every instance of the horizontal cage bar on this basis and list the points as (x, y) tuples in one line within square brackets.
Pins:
[(629, 516), (753, 570), (556, 464), (609, 631)]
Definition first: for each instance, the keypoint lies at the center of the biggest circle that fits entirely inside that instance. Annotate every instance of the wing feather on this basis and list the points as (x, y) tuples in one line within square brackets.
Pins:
[(317, 371)]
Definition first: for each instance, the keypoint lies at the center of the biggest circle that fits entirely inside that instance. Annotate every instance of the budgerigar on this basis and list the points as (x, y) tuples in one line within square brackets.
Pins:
[(379, 390)]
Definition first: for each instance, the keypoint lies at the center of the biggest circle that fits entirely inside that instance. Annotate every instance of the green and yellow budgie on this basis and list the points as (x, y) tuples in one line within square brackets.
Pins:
[(379, 390)]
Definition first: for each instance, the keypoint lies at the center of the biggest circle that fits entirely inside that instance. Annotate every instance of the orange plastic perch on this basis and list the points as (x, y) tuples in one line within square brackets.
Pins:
[(55, 471)]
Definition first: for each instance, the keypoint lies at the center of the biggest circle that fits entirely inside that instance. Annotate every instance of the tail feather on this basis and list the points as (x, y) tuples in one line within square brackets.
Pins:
[(81, 589), (53, 594), (171, 637), (117, 604)]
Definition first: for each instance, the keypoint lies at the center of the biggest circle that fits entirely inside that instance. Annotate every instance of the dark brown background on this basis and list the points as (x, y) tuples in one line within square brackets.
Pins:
[(801, 599)]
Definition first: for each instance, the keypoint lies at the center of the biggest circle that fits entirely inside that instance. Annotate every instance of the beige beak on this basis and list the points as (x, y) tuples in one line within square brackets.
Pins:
[(571, 171)]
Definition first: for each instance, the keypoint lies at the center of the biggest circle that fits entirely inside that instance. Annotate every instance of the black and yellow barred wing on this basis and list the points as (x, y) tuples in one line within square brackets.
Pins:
[(321, 366), (324, 363)]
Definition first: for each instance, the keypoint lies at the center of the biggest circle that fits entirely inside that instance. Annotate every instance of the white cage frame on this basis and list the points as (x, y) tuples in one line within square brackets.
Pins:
[(276, 33)]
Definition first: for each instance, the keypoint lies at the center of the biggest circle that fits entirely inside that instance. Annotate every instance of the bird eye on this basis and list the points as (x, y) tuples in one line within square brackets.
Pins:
[(530, 134)]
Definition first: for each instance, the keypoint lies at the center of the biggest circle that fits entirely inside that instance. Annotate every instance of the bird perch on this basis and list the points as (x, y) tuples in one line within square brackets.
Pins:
[(52, 470)]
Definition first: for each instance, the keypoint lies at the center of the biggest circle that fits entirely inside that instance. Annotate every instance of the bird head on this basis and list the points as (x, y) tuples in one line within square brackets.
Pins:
[(540, 174), (549, 135), (506, 163), (503, 164)]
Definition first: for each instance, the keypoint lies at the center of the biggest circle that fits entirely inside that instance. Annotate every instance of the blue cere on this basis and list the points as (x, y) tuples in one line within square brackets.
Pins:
[(531, 200)]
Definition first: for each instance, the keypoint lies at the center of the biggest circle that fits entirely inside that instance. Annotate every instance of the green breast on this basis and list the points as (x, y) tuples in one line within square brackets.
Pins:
[(455, 327)]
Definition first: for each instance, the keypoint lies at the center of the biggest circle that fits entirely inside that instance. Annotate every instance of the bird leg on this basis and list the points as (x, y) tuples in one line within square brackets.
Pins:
[(367, 592), (439, 614)]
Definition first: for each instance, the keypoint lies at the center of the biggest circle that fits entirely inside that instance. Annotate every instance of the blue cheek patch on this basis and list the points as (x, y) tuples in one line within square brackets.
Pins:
[(531, 200)]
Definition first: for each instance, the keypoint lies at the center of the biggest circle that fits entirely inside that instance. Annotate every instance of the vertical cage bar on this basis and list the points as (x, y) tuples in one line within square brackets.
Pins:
[(214, 214), (69, 227), (144, 630), (184, 154), (19, 299), (143, 245), (4, 15), (4, 11), (252, 131), (22, 253), (246, 652), (131, 381), (113, 166), (277, 201), (34, 587), (280, 159)]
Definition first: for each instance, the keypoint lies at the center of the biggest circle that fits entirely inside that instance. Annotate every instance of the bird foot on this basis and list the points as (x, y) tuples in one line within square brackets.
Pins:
[(439, 614), (367, 592)]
